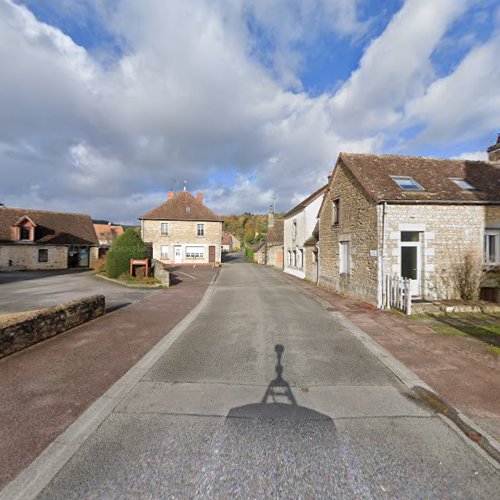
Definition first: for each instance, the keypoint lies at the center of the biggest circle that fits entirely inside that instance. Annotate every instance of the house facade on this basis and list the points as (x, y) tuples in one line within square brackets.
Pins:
[(299, 224), (270, 251), (183, 231), (107, 234), (416, 218), (226, 243), (43, 240)]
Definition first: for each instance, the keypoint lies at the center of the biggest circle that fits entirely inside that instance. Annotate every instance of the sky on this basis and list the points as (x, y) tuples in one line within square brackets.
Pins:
[(106, 105)]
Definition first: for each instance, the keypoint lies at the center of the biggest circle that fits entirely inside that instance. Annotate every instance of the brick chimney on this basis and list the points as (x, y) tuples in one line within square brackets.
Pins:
[(199, 196), (170, 195), (494, 151)]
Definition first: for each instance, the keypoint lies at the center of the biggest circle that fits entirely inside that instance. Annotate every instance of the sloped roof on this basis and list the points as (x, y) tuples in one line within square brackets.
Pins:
[(226, 239), (108, 231), (275, 234), (182, 206), (373, 172), (303, 204), (314, 238), (54, 228)]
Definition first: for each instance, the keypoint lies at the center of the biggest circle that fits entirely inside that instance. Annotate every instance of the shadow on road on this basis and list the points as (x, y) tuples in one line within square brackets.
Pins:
[(278, 401)]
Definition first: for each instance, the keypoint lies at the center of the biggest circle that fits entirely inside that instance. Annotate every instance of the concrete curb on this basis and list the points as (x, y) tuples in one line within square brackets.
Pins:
[(482, 442), (35, 477)]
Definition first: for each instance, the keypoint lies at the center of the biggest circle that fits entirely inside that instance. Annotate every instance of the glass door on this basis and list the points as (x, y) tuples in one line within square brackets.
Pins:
[(410, 259)]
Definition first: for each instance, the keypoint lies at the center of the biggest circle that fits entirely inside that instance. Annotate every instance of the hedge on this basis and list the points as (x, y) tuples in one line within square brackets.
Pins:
[(127, 246)]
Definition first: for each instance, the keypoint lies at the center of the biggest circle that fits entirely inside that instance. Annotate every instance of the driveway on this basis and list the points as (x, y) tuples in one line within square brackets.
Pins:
[(265, 394), (28, 290)]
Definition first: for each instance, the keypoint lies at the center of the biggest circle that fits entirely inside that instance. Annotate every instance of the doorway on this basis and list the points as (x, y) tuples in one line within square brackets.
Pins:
[(177, 254), (211, 254), (411, 260)]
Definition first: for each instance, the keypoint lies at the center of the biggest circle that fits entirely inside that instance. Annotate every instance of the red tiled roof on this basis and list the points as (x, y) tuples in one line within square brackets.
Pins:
[(54, 228), (226, 239), (182, 206), (307, 201), (275, 234), (373, 172)]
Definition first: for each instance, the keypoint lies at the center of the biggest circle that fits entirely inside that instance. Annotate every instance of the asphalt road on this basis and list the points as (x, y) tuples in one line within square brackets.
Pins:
[(29, 290), (266, 394)]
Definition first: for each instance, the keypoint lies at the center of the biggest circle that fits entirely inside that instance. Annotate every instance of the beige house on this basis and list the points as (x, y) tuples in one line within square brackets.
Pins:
[(270, 252), (107, 234), (412, 217), (42, 240), (183, 231)]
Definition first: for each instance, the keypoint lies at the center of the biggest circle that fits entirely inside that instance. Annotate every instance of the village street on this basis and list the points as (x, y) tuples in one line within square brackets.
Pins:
[(202, 422)]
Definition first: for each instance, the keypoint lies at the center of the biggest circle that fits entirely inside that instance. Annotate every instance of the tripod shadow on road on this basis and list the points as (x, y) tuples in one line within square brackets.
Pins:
[(279, 401)]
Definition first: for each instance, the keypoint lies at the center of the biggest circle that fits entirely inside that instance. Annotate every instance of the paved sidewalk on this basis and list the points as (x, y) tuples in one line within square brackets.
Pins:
[(461, 369), (45, 388)]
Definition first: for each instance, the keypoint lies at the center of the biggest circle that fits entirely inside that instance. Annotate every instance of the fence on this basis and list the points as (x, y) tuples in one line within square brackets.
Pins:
[(397, 293)]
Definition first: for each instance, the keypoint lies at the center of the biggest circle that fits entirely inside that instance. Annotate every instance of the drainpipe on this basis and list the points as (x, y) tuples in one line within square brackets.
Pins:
[(317, 265), (382, 259)]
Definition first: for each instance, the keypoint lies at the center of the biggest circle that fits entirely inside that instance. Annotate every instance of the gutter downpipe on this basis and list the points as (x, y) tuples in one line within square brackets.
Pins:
[(382, 259)]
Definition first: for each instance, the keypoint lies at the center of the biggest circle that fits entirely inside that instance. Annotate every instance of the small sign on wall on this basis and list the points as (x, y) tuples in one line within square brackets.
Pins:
[(373, 253)]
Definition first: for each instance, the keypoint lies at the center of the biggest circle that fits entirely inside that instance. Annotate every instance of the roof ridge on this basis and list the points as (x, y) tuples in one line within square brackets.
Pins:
[(44, 211), (433, 158)]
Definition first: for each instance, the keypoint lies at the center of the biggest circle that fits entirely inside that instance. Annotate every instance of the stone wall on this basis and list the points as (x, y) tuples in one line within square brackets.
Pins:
[(17, 334), (275, 256), (446, 234), (183, 233), (25, 256), (311, 264), (357, 225)]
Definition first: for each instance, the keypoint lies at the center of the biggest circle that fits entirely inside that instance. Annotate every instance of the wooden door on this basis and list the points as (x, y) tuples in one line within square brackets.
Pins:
[(211, 253)]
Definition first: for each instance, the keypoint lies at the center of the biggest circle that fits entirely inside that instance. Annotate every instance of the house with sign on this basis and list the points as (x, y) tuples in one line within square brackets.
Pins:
[(183, 230), (424, 219), (43, 240), (299, 224)]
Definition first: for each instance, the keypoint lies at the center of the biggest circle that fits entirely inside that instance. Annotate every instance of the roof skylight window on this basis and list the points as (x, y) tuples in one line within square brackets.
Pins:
[(461, 183), (188, 209), (407, 183)]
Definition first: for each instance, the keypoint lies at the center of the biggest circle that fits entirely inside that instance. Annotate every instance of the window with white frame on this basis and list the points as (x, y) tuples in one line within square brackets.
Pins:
[(195, 252), (200, 229), (301, 258), (164, 251), (289, 257), (345, 257), (492, 247), (294, 230), (407, 183), (164, 229)]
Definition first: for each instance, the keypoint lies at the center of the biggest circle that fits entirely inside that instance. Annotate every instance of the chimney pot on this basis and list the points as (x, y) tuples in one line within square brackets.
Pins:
[(494, 151), (170, 195), (199, 196)]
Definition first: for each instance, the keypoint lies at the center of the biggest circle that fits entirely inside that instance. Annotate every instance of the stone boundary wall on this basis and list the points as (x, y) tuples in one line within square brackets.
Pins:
[(17, 334)]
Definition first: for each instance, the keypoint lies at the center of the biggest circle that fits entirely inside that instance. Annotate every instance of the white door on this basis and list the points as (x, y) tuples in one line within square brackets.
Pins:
[(177, 254), (410, 259)]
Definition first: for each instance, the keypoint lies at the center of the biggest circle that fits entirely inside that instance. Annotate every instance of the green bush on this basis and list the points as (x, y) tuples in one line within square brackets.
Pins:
[(249, 253), (127, 246)]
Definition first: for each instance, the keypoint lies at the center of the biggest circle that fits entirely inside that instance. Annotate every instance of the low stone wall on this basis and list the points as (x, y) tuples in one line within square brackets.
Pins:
[(17, 334)]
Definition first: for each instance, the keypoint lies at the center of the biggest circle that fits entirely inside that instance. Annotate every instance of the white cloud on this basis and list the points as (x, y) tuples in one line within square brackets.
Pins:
[(472, 155)]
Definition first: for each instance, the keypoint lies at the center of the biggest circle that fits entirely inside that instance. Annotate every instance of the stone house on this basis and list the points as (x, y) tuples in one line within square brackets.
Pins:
[(107, 234), (270, 251), (418, 218), (40, 239), (226, 243), (183, 231), (299, 224)]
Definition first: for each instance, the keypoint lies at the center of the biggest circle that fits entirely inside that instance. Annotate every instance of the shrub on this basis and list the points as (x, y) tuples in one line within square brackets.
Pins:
[(99, 265), (249, 253), (468, 275), (127, 246)]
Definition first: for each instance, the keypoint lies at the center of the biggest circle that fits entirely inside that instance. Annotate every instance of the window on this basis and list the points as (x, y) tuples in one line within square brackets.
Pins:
[(294, 230), (164, 251), (289, 257), (301, 259), (345, 257), (492, 246), (335, 211), (200, 229), (407, 183), (25, 233), (410, 236), (461, 183), (195, 252), (164, 228), (43, 255), (188, 210)]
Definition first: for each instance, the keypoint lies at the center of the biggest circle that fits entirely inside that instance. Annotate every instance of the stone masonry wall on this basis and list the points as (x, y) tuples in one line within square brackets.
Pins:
[(447, 234), (17, 334), (25, 256), (310, 264), (357, 224), (183, 233)]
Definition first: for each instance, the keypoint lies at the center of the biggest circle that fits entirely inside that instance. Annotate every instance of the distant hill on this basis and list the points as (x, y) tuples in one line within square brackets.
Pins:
[(248, 228)]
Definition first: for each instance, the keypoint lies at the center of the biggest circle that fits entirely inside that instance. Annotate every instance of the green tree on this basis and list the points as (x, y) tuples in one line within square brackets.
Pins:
[(127, 246)]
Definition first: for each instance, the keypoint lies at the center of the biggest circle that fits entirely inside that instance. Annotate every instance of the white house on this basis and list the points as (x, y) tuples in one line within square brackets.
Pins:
[(299, 225)]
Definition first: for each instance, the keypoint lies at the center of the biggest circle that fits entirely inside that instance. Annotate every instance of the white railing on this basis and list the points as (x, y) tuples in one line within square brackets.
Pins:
[(397, 293)]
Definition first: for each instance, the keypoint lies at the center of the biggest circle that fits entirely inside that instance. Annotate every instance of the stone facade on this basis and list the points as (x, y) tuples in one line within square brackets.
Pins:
[(446, 234), (184, 235), (311, 263), (357, 228), (31, 328), (275, 256), (25, 256)]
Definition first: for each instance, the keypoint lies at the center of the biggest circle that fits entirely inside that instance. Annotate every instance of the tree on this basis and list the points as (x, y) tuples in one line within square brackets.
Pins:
[(127, 246)]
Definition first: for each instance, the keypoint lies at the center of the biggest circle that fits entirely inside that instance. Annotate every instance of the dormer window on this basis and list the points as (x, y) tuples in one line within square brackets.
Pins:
[(463, 184), (407, 183), (188, 209), (24, 233)]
